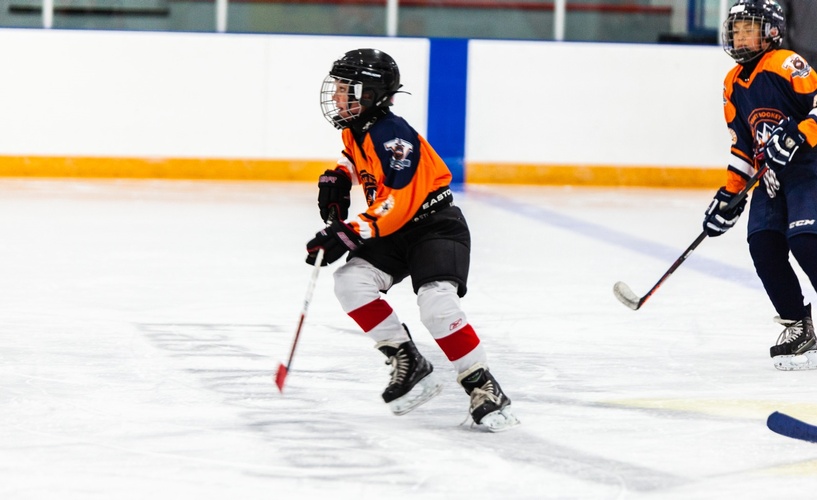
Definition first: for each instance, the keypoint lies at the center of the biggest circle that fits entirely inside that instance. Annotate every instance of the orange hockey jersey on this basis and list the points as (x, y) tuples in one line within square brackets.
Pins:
[(400, 173)]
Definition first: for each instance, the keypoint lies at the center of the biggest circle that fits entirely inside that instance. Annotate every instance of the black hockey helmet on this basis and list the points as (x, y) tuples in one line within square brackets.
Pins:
[(371, 78), (770, 18), (373, 68)]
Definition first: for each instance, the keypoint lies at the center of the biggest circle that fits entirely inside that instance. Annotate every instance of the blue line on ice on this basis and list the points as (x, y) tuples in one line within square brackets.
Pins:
[(710, 267)]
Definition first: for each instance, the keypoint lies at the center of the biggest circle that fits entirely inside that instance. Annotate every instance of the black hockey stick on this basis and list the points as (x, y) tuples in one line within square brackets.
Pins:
[(791, 427), (625, 294)]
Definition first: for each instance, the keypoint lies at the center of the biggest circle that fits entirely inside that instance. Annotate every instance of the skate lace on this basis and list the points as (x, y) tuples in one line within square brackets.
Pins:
[(478, 397), (481, 395), (399, 367), (791, 333)]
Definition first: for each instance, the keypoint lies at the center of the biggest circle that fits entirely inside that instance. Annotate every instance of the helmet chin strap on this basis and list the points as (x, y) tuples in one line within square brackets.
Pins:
[(338, 122)]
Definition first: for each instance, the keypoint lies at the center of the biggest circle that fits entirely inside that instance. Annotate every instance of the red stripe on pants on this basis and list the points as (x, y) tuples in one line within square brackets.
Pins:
[(371, 315), (459, 343)]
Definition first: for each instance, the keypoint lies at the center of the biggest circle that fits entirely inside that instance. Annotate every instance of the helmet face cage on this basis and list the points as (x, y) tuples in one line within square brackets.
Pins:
[(765, 17), (340, 100), (360, 80)]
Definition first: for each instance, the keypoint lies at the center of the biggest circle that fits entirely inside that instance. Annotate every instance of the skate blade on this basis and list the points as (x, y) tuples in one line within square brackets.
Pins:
[(793, 362), (500, 420), (424, 391)]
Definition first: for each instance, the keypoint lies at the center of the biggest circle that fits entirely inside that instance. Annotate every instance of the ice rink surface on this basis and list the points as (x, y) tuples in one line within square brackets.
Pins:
[(141, 323)]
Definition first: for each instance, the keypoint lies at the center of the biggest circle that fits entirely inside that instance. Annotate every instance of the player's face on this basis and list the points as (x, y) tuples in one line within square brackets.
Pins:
[(746, 35), (346, 108)]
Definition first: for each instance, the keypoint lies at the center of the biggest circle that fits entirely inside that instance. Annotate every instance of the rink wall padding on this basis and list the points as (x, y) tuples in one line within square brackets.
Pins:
[(594, 175), (309, 170), (114, 104), (163, 168)]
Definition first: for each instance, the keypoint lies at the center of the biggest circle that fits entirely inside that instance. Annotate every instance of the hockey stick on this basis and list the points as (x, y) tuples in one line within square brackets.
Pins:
[(283, 370), (624, 293), (791, 427)]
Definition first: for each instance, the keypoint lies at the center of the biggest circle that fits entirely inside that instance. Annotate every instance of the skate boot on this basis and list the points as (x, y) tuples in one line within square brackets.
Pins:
[(411, 381), (795, 349), (490, 407)]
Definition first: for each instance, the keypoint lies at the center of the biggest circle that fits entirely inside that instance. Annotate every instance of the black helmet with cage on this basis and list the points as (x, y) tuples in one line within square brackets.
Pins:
[(767, 15), (369, 77)]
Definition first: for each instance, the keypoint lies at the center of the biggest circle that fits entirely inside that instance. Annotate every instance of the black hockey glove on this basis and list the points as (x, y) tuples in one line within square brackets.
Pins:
[(337, 239), (334, 187), (782, 144), (717, 220)]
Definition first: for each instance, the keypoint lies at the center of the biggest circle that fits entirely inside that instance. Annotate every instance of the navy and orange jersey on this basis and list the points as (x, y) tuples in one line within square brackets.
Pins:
[(398, 171), (782, 85)]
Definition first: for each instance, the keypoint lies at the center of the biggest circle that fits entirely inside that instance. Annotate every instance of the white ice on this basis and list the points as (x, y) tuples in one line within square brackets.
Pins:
[(141, 324)]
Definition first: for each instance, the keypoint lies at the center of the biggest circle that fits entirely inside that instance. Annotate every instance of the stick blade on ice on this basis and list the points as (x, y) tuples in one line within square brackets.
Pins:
[(280, 376), (626, 296), (791, 427)]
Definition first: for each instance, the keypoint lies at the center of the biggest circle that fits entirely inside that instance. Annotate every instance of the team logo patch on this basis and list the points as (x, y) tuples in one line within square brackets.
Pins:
[(798, 67), (763, 121), (400, 151), (385, 207), (369, 186), (734, 136)]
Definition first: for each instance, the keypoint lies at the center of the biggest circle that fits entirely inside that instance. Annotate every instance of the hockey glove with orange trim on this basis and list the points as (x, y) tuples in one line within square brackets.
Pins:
[(716, 220), (334, 187), (336, 239)]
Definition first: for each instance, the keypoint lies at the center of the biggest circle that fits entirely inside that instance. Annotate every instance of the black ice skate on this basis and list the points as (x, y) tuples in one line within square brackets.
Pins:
[(411, 381), (796, 348), (490, 407)]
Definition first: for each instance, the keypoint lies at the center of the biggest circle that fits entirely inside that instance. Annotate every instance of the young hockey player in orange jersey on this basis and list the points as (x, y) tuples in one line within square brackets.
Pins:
[(770, 104), (411, 229)]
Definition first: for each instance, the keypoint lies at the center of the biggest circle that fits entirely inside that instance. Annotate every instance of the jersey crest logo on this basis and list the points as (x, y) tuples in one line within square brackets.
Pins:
[(763, 132), (400, 150), (763, 121), (798, 67)]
